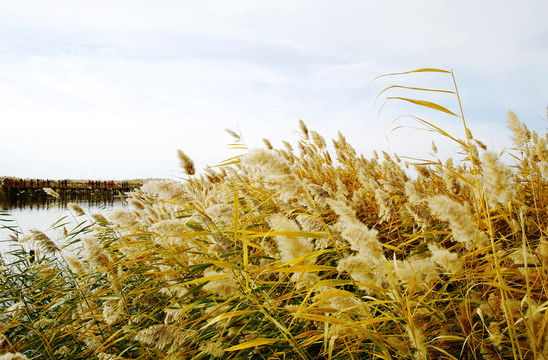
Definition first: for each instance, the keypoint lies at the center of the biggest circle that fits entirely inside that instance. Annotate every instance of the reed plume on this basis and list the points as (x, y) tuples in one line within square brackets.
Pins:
[(186, 163)]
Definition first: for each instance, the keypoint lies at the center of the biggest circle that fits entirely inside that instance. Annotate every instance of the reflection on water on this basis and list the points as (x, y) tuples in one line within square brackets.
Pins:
[(35, 209), (38, 198)]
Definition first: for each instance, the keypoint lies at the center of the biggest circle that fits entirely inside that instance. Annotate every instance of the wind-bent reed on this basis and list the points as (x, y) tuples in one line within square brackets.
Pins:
[(280, 254)]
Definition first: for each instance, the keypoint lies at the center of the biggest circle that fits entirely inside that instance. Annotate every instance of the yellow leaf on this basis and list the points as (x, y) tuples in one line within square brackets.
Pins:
[(316, 234), (449, 338), (203, 279), (255, 246), (252, 343), (308, 334), (304, 257), (425, 104), (415, 71), (427, 70), (224, 264), (333, 293), (391, 247), (414, 88), (227, 316), (322, 318), (374, 320), (294, 269), (311, 340)]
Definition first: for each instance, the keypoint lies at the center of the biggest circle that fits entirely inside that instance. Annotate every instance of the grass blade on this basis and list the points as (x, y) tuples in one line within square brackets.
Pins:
[(424, 103)]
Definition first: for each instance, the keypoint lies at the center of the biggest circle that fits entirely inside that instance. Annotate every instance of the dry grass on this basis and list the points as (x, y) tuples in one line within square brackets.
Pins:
[(308, 254)]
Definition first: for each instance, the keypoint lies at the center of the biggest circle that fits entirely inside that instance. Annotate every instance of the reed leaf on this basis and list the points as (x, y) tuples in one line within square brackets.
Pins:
[(424, 103)]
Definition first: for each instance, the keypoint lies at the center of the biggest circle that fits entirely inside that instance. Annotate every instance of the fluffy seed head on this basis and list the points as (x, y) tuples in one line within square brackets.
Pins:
[(100, 219), (105, 356), (76, 209), (304, 129), (41, 241), (447, 260), (186, 163), (497, 179), (288, 146), (12, 356), (75, 265), (290, 247), (213, 348), (95, 253), (111, 311), (460, 221), (223, 287), (136, 203), (268, 144), (123, 217), (233, 134), (161, 336), (4, 343), (165, 190), (16, 310), (417, 339), (520, 133), (318, 140), (51, 192)]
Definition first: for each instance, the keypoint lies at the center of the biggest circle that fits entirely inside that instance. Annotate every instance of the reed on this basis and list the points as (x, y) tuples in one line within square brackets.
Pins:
[(308, 254)]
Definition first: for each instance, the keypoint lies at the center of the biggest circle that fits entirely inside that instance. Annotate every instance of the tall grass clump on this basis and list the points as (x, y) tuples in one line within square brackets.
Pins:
[(303, 254)]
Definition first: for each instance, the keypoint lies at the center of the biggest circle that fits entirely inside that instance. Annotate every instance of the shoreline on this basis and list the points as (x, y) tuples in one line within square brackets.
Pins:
[(14, 183)]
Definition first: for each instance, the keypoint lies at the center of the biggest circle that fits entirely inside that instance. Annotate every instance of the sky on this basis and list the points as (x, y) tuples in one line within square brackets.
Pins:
[(111, 89)]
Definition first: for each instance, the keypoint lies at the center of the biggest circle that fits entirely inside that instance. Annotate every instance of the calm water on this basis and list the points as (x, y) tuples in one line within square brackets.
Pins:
[(44, 216)]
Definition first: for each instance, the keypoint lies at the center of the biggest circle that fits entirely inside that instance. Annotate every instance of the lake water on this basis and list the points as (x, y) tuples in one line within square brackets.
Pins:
[(40, 216)]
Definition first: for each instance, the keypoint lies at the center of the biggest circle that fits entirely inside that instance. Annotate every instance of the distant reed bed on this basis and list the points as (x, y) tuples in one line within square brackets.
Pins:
[(301, 253)]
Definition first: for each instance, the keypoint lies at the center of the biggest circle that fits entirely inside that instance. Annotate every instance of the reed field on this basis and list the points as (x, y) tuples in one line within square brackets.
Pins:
[(309, 251)]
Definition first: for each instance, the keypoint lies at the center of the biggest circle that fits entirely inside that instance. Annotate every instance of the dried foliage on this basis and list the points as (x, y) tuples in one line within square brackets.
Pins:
[(279, 254)]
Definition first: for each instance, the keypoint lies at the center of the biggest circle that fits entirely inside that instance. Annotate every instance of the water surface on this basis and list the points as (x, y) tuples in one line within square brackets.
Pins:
[(52, 217)]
